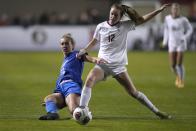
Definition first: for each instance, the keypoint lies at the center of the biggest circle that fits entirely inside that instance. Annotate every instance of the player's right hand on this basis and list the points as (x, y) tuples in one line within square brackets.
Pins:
[(165, 6), (101, 61)]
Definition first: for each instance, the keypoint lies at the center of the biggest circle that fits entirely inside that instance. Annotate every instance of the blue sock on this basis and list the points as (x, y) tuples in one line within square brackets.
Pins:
[(51, 107)]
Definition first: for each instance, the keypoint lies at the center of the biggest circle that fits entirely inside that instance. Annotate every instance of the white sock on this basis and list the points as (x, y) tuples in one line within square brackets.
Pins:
[(145, 101), (180, 71), (85, 96)]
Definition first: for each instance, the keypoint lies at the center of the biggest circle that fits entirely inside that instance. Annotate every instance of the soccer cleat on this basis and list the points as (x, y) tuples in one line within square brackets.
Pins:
[(181, 84), (163, 115), (177, 81), (49, 116)]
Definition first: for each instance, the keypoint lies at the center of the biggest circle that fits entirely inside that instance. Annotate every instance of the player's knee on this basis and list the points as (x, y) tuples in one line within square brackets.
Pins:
[(178, 65), (173, 66), (90, 81), (49, 98), (133, 93)]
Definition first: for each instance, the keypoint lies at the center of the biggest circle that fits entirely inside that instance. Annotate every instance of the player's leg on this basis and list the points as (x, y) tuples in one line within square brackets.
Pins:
[(180, 69), (72, 101), (53, 102), (95, 75), (173, 63), (173, 59), (124, 79)]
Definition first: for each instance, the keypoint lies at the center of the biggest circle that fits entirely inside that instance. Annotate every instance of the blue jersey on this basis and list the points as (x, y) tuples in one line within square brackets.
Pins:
[(71, 69)]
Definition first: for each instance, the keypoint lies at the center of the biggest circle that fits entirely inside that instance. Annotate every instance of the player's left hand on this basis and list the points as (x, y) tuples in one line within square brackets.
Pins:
[(101, 61), (164, 6)]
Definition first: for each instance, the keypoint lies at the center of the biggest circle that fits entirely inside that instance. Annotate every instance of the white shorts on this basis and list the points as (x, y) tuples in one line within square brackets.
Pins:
[(111, 70), (177, 48)]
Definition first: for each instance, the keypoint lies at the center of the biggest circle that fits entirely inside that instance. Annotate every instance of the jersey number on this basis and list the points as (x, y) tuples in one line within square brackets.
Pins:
[(111, 37)]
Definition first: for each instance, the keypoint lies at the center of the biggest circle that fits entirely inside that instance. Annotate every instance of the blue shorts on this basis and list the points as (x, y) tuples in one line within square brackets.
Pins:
[(66, 88)]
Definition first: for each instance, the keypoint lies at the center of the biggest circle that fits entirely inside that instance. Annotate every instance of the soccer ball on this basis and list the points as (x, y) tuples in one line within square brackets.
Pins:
[(82, 115)]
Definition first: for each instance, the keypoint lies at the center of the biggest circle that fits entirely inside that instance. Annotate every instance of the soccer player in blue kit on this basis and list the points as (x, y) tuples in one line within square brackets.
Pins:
[(69, 83)]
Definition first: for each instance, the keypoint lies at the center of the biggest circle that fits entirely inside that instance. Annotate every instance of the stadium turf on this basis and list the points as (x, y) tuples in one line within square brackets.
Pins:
[(27, 77)]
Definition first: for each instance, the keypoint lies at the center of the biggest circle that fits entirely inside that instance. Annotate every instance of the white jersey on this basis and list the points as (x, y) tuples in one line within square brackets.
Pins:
[(176, 31), (112, 39)]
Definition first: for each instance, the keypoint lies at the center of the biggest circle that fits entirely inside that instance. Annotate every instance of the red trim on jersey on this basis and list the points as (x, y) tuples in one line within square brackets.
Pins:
[(113, 24)]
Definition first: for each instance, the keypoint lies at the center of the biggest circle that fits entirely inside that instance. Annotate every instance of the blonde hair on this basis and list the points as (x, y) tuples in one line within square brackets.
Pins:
[(70, 38)]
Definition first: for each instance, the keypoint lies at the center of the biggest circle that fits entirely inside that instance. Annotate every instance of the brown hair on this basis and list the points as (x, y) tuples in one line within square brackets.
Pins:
[(176, 4), (119, 7)]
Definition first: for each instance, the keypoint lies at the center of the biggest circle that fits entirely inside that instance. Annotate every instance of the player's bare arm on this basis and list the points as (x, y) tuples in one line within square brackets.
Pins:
[(95, 60), (150, 15), (132, 13), (90, 45)]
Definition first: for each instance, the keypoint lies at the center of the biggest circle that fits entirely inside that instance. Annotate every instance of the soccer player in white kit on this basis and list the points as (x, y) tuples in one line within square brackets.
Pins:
[(177, 31), (112, 35)]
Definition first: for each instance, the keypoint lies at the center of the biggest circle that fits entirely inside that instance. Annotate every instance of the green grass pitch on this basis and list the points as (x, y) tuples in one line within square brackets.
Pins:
[(27, 77)]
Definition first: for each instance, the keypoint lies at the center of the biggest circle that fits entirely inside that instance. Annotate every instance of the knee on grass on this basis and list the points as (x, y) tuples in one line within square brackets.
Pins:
[(50, 98), (134, 94)]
